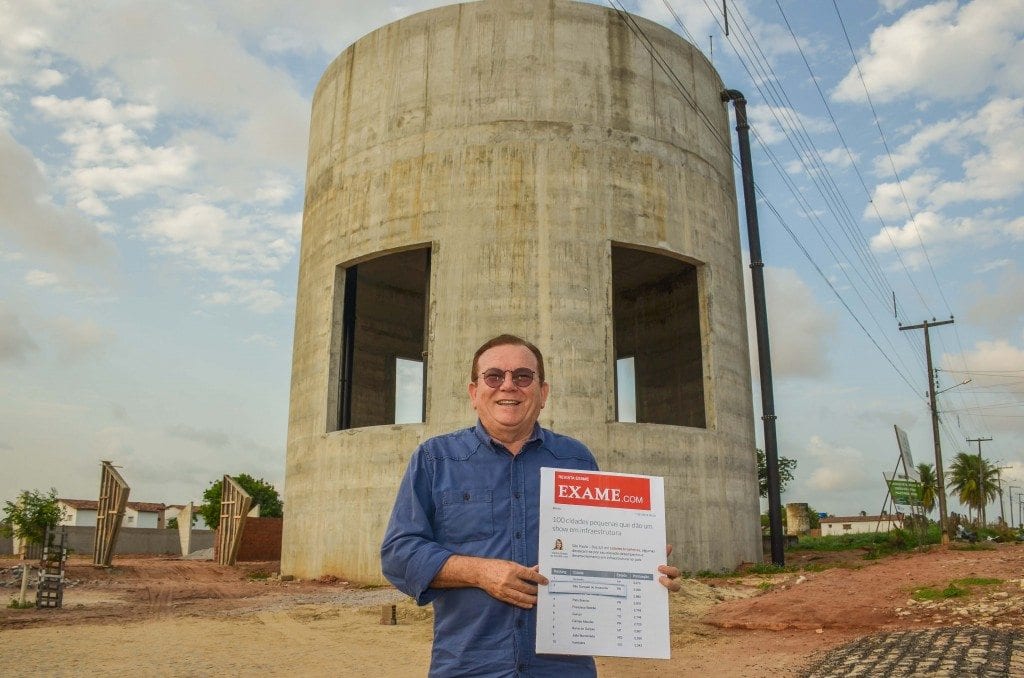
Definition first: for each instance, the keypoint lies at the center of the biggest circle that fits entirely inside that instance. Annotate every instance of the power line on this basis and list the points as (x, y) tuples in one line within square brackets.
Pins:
[(888, 152)]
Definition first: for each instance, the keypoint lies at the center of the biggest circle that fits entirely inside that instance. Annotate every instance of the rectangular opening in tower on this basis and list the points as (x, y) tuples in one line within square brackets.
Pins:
[(378, 348), (658, 343)]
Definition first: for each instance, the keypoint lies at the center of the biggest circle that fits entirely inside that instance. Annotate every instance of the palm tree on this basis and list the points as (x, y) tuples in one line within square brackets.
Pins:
[(929, 487), (975, 481)]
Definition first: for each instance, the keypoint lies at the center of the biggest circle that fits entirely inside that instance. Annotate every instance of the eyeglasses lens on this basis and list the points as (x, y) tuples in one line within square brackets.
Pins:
[(521, 377)]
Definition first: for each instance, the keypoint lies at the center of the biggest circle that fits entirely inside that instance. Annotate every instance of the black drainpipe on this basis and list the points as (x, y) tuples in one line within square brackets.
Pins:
[(764, 356)]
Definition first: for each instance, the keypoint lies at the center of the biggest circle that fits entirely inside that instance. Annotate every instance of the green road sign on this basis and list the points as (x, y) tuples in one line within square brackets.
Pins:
[(905, 492)]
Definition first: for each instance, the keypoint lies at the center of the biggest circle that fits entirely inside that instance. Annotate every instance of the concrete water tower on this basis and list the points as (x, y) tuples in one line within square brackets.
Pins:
[(551, 169)]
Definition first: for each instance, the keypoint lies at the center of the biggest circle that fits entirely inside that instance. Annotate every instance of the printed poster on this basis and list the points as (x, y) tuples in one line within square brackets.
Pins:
[(602, 538)]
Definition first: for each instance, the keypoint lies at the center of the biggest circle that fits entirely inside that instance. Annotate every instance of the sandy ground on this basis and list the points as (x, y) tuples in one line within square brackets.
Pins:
[(169, 617)]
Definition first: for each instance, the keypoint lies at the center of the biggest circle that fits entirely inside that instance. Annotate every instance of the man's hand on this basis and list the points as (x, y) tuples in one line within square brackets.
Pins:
[(669, 575), (503, 580)]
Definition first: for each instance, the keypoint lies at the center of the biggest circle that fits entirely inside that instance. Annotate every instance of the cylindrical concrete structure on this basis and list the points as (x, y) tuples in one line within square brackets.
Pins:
[(527, 143), (798, 520)]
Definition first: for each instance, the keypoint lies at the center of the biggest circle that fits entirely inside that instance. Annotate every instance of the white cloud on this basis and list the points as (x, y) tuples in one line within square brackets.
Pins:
[(48, 78), (258, 296), (834, 469), (109, 155), (770, 122), (37, 278), (895, 200), (999, 308), (836, 158), (939, 233), (912, 153), (77, 341), (892, 5), (29, 215), (101, 111), (942, 51), (992, 173), (209, 237), (996, 364), (214, 439), (15, 341), (261, 340), (800, 328)]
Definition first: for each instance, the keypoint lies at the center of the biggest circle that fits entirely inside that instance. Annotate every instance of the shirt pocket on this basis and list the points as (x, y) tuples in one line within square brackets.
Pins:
[(467, 515)]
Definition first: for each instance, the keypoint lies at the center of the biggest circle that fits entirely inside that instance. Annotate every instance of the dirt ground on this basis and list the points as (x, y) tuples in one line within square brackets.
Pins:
[(161, 616)]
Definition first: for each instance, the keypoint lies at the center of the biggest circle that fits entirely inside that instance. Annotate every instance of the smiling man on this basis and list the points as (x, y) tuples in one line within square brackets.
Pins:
[(464, 529)]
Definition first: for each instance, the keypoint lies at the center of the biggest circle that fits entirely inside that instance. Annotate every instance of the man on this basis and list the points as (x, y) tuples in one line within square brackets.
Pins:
[(464, 529)]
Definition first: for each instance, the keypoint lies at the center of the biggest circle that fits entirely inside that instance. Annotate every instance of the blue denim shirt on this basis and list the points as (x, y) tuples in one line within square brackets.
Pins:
[(465, 494)]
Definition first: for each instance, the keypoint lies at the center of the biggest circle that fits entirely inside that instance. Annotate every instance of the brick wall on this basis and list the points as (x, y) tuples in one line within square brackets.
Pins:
[(261, 540)]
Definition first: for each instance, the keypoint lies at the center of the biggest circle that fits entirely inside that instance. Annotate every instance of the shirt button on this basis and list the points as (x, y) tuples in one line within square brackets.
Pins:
[(517, 495), (519, 623), (465, 496), (518, 535)]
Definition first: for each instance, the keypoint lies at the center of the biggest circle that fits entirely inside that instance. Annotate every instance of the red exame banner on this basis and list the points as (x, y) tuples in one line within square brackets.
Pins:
[(610, 491)]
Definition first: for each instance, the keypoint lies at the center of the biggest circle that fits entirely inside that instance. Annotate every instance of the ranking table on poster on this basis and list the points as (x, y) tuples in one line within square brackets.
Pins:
[(602, 539), (599, 609)]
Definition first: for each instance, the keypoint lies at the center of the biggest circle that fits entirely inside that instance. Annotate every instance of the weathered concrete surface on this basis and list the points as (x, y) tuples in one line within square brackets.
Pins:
[(520, 139)]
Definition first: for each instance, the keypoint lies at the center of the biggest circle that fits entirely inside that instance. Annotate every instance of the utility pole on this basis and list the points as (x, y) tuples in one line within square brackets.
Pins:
[(939, 475), (981, 480), (764, 357), (1011, 488)]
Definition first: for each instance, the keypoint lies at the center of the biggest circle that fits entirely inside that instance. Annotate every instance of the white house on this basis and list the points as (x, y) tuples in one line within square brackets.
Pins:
[(136, 513), (834, 525)]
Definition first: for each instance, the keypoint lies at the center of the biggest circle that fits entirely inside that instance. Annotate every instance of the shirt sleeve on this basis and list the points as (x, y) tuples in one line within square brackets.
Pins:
[(410, 555)]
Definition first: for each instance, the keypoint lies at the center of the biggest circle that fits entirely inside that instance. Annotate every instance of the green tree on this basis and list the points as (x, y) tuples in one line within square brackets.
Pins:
[(29, 517), (975, 481), (929, 486), (263, 494), (786, 468)]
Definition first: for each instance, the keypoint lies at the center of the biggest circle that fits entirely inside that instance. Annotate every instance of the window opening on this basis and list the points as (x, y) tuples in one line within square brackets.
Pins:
[(657, 335), (380, 341)]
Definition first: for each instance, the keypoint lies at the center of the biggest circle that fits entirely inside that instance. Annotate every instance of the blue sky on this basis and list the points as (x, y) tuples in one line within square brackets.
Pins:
[(152, 159)]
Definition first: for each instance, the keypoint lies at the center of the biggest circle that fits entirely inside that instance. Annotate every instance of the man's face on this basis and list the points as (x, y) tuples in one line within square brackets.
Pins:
[(508, 412)]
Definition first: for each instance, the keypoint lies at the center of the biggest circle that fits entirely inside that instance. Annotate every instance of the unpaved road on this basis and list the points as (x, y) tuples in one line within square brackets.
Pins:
[(169, 617)]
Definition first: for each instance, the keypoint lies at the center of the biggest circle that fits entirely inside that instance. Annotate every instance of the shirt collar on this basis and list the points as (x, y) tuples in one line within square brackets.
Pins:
[(485, 437)]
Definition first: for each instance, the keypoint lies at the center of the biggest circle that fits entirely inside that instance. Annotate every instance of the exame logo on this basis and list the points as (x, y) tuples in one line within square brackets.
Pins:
[(610, 491)]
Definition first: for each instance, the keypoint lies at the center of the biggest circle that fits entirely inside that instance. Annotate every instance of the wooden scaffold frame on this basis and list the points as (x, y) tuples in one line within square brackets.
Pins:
[(109, 514), (234, 506)]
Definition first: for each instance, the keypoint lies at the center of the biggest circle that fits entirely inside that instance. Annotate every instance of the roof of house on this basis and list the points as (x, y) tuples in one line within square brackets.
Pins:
[(93, 505), (862, 519)]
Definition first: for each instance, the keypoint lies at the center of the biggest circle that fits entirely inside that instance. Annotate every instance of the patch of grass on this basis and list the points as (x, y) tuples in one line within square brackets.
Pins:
[(769, 568), (976, 581), (876, 544), (259, 575), (980, 546), (934, 593), (765, 585), (14, 604), (955, 588)]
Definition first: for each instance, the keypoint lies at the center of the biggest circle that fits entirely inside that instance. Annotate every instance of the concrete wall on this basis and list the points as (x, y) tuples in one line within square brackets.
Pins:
[(138, 540), (520, 140)]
